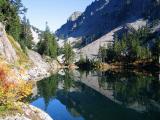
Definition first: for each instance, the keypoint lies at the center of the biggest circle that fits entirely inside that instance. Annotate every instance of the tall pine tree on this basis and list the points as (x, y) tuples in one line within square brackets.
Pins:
[(68, 53), (48, 45), (26, 34)]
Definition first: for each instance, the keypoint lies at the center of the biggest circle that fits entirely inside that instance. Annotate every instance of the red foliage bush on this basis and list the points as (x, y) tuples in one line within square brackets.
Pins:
[(2, 75)]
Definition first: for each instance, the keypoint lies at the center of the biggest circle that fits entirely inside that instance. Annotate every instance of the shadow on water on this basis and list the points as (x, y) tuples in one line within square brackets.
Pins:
[(96, 95)]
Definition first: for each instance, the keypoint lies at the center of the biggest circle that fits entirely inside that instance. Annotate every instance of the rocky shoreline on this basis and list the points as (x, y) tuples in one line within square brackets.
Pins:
[(35, 68), (29, 113)]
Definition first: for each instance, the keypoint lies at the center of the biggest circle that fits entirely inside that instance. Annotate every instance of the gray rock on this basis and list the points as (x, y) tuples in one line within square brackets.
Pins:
[(75, 16), (6, 49), (40, 67), (30, 113)]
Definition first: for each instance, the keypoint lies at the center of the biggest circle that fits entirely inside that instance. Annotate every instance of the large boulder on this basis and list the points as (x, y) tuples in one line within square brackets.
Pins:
[(40, 67)]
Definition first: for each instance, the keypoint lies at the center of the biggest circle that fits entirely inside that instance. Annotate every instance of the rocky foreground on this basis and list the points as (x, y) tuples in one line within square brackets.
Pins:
[(29, 113), (30, 66)]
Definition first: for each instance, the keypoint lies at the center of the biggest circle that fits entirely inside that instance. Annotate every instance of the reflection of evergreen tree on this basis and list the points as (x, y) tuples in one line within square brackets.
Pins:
[(107, 78), (130, 87), (47, 88), (81, 74), (68, 80), (154, 92), (133, 88)]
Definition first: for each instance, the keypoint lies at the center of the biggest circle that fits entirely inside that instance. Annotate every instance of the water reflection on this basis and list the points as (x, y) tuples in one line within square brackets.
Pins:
[(92, 95)]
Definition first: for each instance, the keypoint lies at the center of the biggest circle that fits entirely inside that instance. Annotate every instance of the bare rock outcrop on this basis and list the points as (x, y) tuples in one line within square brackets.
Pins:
[(40, 67), (29, 113), (75, 16), (7, 51)]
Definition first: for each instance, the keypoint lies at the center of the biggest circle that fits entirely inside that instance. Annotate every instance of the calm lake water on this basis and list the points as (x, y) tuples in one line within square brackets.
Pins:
[(96, 95)]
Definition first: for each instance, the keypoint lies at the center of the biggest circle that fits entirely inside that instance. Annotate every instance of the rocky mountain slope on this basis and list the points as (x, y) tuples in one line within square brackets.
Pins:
[(104, 19), (102, 16), (91, 50)]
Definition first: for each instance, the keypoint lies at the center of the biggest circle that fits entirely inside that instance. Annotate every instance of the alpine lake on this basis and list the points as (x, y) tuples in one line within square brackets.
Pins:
[(99, 95)]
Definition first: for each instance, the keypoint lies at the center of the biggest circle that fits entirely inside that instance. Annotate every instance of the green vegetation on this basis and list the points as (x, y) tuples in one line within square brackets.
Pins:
[(86, 64), (17, 28), (68, 53), (26, 34), (102, 53), (47, 45), (135, 48), (23, 58), (132, 47), (13, 89)]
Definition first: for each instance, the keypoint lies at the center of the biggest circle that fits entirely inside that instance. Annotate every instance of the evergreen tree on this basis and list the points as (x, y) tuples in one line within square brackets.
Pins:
[(117, 48), (14, 28), (68, 53), (81, 60), (9, 16), (124, 43), (26, 34), (102, 53), (156, 50), (48, 45)]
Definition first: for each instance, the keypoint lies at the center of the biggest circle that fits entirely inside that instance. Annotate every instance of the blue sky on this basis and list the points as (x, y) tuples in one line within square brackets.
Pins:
[(55, 12)]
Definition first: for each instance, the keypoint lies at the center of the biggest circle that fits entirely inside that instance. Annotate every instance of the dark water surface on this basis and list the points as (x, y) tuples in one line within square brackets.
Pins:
[(99, 96)]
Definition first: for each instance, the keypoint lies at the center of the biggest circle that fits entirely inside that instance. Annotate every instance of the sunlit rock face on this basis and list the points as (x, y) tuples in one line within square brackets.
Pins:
[(74, 16), (35, 35), (7, 51)]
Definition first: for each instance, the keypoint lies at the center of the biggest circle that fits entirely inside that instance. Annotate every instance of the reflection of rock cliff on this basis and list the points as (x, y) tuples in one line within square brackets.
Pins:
[(98, 82), (92, 105), (91, 80)]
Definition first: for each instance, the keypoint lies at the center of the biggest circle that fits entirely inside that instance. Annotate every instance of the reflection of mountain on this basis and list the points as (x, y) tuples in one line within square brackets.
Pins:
[(94, 95)]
